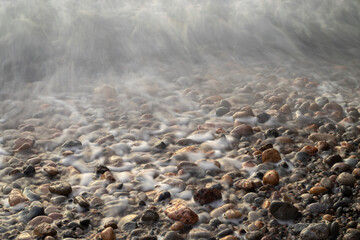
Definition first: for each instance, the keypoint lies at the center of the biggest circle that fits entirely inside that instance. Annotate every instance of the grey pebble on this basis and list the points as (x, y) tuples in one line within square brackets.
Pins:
[(319, 231)]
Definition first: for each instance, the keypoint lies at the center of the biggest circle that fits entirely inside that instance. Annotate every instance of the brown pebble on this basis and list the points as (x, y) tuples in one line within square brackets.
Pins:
[(52, 171), (285, 109), (40, 219), (245, 184), (177, 226), (81, 201), (271, 155), (179, 212), (232, 213), (317, 190), (328, 217), (16, 197), (55, 215), (108, 234), (241, 131), (356, 172), (44, 229), (271, 177), (310, 150), (23, 143)]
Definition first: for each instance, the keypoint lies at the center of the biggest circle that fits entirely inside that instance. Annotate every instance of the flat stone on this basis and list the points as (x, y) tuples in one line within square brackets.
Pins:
[(242, 130), (173, 236), (315, 137)]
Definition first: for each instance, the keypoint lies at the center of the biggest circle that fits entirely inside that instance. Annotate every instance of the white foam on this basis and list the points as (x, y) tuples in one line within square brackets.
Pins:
[(140, 147), (86, 179), (201, 137), (247, 120), (120, 148), (124, 177), (207, 165)]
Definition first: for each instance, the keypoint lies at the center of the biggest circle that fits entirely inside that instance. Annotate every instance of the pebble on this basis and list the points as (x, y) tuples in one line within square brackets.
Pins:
[(283, 211), (40, 219), (16, 197), (271, 155), (44, 229), (246, 184), (179, 212), (317, 190), (81, 201), (60, 187), (317, 208), (108, 234), (207, 195), (150, 216), (271, 177), (346, 178), (318, 231), (242, 130)]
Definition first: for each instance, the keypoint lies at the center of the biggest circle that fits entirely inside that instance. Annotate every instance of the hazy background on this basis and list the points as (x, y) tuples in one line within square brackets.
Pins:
[(70, 41)]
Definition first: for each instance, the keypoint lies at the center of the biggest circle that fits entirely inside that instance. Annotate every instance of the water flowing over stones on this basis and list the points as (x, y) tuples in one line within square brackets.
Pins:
[(139, 120)]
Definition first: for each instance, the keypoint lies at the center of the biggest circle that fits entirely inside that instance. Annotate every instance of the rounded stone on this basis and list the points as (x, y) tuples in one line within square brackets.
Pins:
[(346, 178), (44, 229), (271, 155), (60, 187)]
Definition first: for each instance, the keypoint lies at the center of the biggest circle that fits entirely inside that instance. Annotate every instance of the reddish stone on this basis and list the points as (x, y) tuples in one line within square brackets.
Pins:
[(179, 212)]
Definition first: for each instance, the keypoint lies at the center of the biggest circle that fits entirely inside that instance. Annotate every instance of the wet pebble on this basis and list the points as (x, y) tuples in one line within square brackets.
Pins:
[(318, 231), (60, 187)]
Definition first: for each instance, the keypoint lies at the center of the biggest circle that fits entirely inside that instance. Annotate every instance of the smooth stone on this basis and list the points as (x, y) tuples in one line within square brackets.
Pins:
[(173, 236), (150, 216), (346, 178), (60, 187), (108, 234), (250, 197)]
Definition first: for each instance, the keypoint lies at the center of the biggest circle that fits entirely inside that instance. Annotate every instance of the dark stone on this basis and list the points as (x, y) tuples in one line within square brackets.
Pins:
[(150, 216), (220, 111), (85, 223), (214, 222), (35, 211), (207, 195), (263, 117), (284, 211), (254, 235), (271, 133), (334, 229), (29, 171), (302, 156), (346, 191), (352, 234), (265, 147), (101, 169), (332, 159), (163, 195)]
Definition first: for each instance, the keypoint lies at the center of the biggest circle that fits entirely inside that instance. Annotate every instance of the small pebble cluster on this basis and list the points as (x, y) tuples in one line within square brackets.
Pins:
[(258, 153)]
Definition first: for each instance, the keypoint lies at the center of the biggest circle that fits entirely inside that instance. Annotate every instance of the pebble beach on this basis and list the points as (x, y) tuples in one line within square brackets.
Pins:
[(257, 153)]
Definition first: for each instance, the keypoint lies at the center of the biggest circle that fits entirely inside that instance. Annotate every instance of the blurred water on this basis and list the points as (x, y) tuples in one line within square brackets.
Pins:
[(66, 41)]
